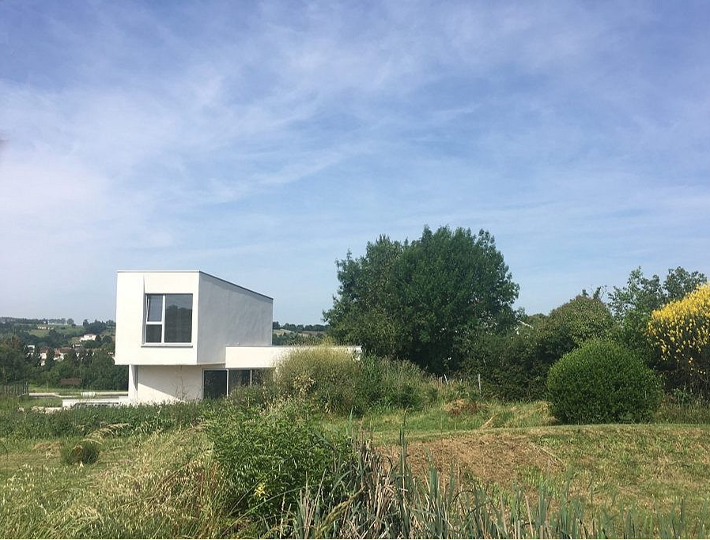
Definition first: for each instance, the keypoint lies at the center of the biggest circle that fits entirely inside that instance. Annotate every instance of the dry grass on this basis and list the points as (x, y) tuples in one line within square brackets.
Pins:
[(163, 485), (647, 466)]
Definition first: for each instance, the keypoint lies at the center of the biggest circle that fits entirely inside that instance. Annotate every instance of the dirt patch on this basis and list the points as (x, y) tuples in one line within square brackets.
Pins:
[(489, 457)]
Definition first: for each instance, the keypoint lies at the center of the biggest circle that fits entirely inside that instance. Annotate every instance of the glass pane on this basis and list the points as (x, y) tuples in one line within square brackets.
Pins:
[(215, 383), (237, 378), (260, 376), (155, 307), (178, 318), (153, 333)]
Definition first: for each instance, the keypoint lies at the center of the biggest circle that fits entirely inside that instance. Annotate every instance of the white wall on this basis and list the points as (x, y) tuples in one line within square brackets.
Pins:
[(156, 384), (265, 357), (131, 288), (229, 316), (222, 314)]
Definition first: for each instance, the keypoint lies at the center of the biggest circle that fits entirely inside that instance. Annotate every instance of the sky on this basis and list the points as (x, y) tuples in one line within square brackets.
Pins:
[(262, 141)]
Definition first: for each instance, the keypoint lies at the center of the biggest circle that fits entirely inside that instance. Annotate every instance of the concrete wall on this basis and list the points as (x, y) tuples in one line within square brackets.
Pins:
[(230, 316), (265, 357), (156, 384), (222, 314), (131, 288)]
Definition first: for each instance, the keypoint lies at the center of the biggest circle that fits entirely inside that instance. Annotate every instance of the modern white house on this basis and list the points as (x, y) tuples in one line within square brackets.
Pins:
[(187, 335)]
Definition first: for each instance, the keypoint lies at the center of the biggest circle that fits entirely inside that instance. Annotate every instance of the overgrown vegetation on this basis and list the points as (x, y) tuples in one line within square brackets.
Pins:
[(680, 334), (21, 423), (515, 365), (388, 302), (83, 452), (251, 474), (333, 382), (269, 456)]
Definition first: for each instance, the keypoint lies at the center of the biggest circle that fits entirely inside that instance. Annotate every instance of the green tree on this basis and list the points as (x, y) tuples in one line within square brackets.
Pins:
[(570, 325), (13, 364), (633, 304), (429, 301), (517, 364)]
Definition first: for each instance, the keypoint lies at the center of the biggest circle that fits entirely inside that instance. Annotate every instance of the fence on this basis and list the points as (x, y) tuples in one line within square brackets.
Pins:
[(14, 389)]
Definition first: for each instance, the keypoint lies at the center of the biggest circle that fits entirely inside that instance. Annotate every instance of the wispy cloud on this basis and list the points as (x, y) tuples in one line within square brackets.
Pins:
[(261, 142)]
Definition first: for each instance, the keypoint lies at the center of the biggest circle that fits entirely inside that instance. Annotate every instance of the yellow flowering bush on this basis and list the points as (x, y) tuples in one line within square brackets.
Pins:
[(680, 331)]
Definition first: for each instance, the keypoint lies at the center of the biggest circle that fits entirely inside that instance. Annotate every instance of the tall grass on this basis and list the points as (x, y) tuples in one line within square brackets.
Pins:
[(139, 419), (335, 382), (388, 501), (165, 486)]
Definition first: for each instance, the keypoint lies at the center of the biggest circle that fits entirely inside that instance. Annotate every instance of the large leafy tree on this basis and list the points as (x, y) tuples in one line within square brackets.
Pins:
[(633, 304), (516, 365), (13, 364), (427, 301)]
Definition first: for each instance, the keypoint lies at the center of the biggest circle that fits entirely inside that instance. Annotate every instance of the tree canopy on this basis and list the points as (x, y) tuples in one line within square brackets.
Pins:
[(427, 300), (632, 305)]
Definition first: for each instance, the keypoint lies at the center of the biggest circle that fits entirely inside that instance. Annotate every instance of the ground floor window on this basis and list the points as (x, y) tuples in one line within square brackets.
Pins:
[(221, 382)]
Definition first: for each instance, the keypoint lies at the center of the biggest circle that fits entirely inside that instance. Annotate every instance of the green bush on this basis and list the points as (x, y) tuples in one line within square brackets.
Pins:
[(324, 376), (601, 382), (387, 384), (270, 455), (83, 452)]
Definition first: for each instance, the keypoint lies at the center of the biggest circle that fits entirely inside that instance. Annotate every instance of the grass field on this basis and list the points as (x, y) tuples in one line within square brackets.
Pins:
[(651, 467)]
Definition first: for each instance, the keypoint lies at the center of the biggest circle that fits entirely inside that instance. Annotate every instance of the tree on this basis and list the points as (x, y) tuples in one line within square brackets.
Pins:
[(428, 301), (632, 305), (680, 332), (517, 364), (570, 325), (13, 365)]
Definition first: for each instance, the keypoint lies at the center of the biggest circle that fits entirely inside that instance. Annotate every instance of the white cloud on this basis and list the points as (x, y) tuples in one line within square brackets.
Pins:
[(226, 133)]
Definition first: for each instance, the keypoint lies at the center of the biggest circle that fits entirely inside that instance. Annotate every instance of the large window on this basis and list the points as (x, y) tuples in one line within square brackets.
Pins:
[(168, 318), (221, 382)]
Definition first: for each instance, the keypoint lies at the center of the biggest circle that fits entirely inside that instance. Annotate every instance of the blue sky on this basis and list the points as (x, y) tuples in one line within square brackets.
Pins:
[(260, 142)]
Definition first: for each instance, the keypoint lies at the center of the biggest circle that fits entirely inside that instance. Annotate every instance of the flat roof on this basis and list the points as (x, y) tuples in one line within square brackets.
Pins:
[(192, 272)]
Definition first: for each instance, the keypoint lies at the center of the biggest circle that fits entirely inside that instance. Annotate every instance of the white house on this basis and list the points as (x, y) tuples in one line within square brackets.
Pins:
[(189, 335)]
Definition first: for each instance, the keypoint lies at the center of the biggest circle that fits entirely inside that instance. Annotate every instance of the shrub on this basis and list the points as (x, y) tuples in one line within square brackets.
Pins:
[(602, 382), (515, 365), (387, 384), (324, 375), (83, 452), (680, 332), (268, 456)]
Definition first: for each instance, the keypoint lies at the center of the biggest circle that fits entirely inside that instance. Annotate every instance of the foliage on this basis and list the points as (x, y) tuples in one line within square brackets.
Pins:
[(171, 489), (324, 375), (515, 365), (632, 305), (570, 325), (334, 382), (602, 382), (389, 501), (386, 384), (95, 367), (79, 422), (680, 332), (293, 338), (13, 367), (268, 456), (426, 301), (84, 452)]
